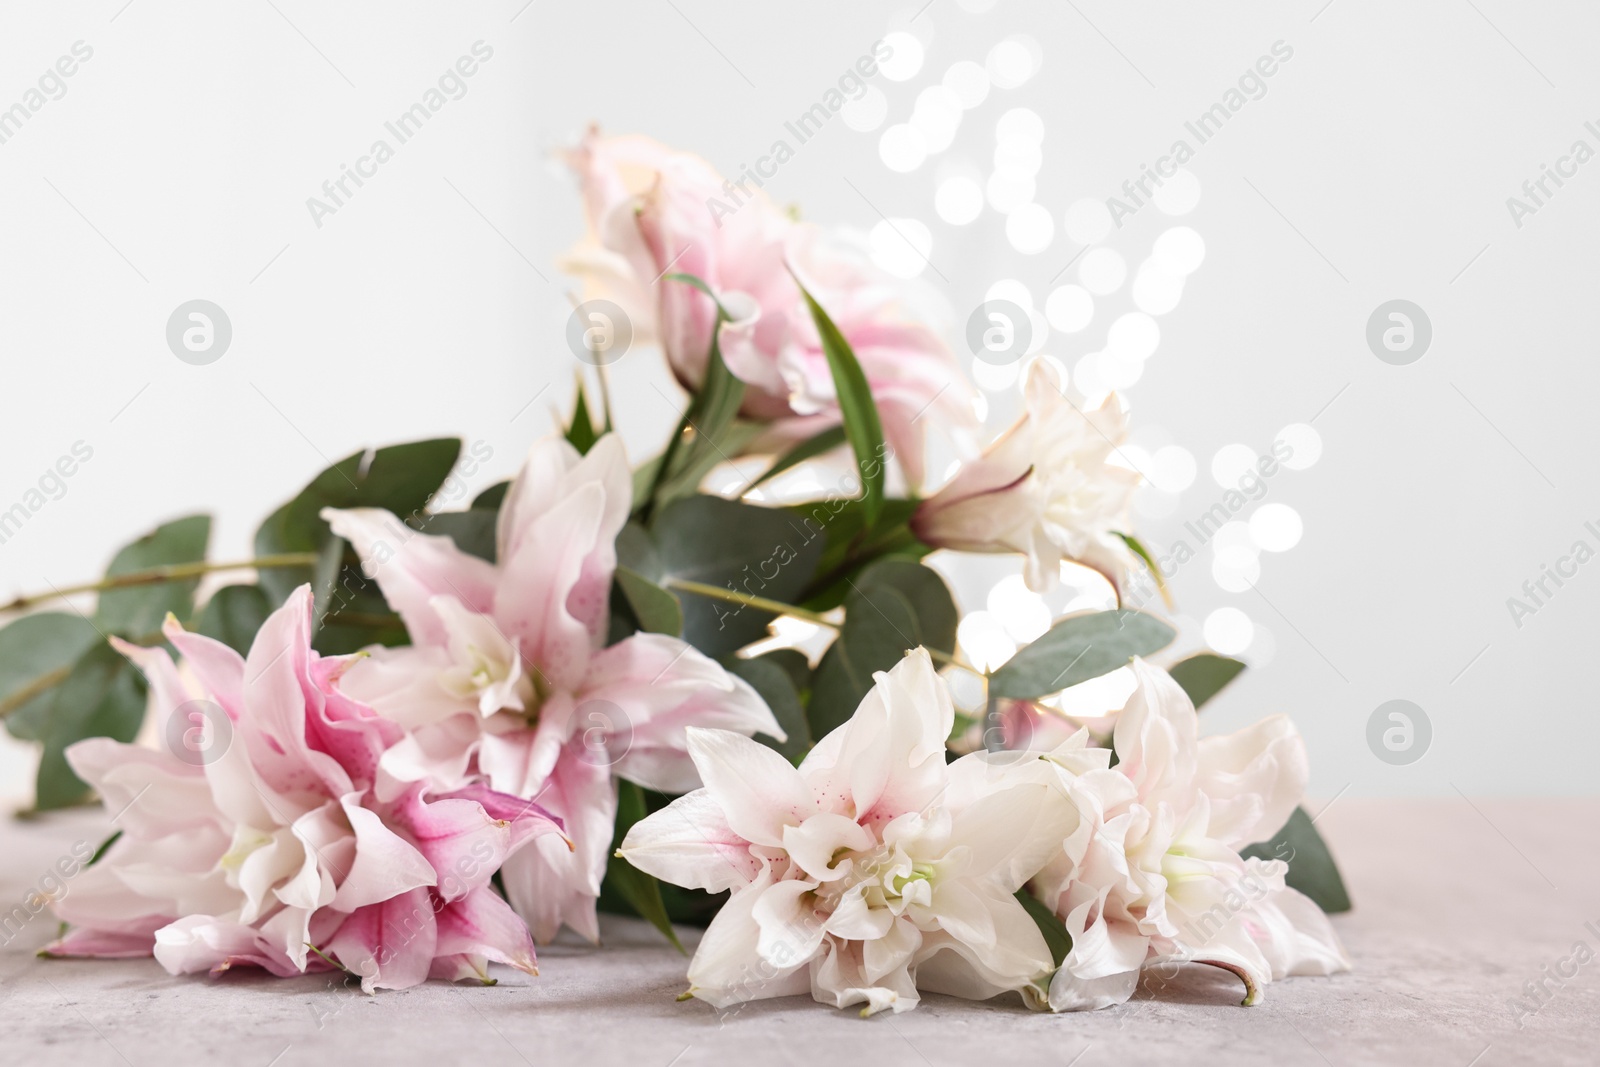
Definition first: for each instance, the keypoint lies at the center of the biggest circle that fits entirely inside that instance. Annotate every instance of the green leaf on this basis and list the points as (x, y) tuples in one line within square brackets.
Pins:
[(1311, 867), (1054, 930), (749, 549), (473, 530), (102, 697), (1151, 565), (772, 677), (36, 655), (894, 606), (850, 546), (234, 615), (399, 478), (1203, 676), (138, 611), (581, 434), (492, 497), (862, 427), (1077, 649), (711, 413), (105, 846), (655, 609), (810, 448), (639, 890)]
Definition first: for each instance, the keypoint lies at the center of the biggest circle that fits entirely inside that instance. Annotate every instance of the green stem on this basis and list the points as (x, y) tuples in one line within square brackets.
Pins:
[(730, 596), (46, 681), (175, 572), (778, 607)]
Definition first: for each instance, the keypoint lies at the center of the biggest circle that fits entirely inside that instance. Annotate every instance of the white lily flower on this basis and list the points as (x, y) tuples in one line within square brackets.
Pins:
[(1154, 874), (1044, 488), (872, 871)]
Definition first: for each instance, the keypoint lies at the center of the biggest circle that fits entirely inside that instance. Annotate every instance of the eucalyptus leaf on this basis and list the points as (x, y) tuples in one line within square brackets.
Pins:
[(103, 696), (858, 410), (1204, 675), (656, 610), (1077, 649), (740, 547), (398, 478), (893, 607), (138, 611), (36, 655), (1312, 869), (492, 497), (772, 677), (473, 530), (234, 615)]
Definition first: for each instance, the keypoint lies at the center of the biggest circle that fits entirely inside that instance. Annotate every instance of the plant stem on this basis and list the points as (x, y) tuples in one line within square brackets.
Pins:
[(45, 681), (778, 607), (175, 572), (729, 596)]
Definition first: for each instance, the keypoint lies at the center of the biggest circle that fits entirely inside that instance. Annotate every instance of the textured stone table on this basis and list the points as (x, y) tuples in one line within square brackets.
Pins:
[(1458, 904)]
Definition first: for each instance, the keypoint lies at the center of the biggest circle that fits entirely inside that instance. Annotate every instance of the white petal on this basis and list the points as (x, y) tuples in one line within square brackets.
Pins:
[(1255, 778), (758, 790), (690, 843)]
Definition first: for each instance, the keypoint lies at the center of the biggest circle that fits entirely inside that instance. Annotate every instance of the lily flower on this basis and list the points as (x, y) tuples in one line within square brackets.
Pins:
[(509, 680), (872, 871), (1045, 488), (273, 849), (1153, 874), (653, 211)]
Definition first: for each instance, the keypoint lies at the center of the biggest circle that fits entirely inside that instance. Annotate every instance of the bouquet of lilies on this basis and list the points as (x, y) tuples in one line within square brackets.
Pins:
[(420, 740)]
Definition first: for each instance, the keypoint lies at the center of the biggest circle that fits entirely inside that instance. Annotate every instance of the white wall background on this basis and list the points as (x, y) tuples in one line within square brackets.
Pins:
[(1377, 165)]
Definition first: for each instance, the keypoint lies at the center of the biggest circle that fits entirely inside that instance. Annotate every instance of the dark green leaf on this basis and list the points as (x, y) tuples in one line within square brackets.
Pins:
[(655, 609), (102, 697), (491, 498), (581, 434), (1311, 867), (1203, 676), (36, 654), (712, 410), (399, 478), (748, 549), (1077, 649), (772, 678), (1054, 930), (234, 615), (893, 606), (859, 411), (138, 611), (105, 846), (851, 546), (810, 448), (641, 892), (473, 530)]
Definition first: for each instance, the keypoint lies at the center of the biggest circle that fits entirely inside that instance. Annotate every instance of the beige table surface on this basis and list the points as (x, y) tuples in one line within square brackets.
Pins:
[(1458, 904)]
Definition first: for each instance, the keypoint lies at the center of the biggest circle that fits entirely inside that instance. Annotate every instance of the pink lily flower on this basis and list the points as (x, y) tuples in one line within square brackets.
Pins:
[(270, 848), (509, 680), (653, 211)]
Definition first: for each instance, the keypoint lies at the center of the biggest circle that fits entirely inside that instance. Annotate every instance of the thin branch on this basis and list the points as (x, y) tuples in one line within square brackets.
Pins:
[(175, 572)]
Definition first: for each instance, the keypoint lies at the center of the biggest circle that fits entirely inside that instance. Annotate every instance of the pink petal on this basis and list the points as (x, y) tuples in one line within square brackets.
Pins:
[(391, 945), (481, 924), (412, 568), (385, 864), (661, 686)]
